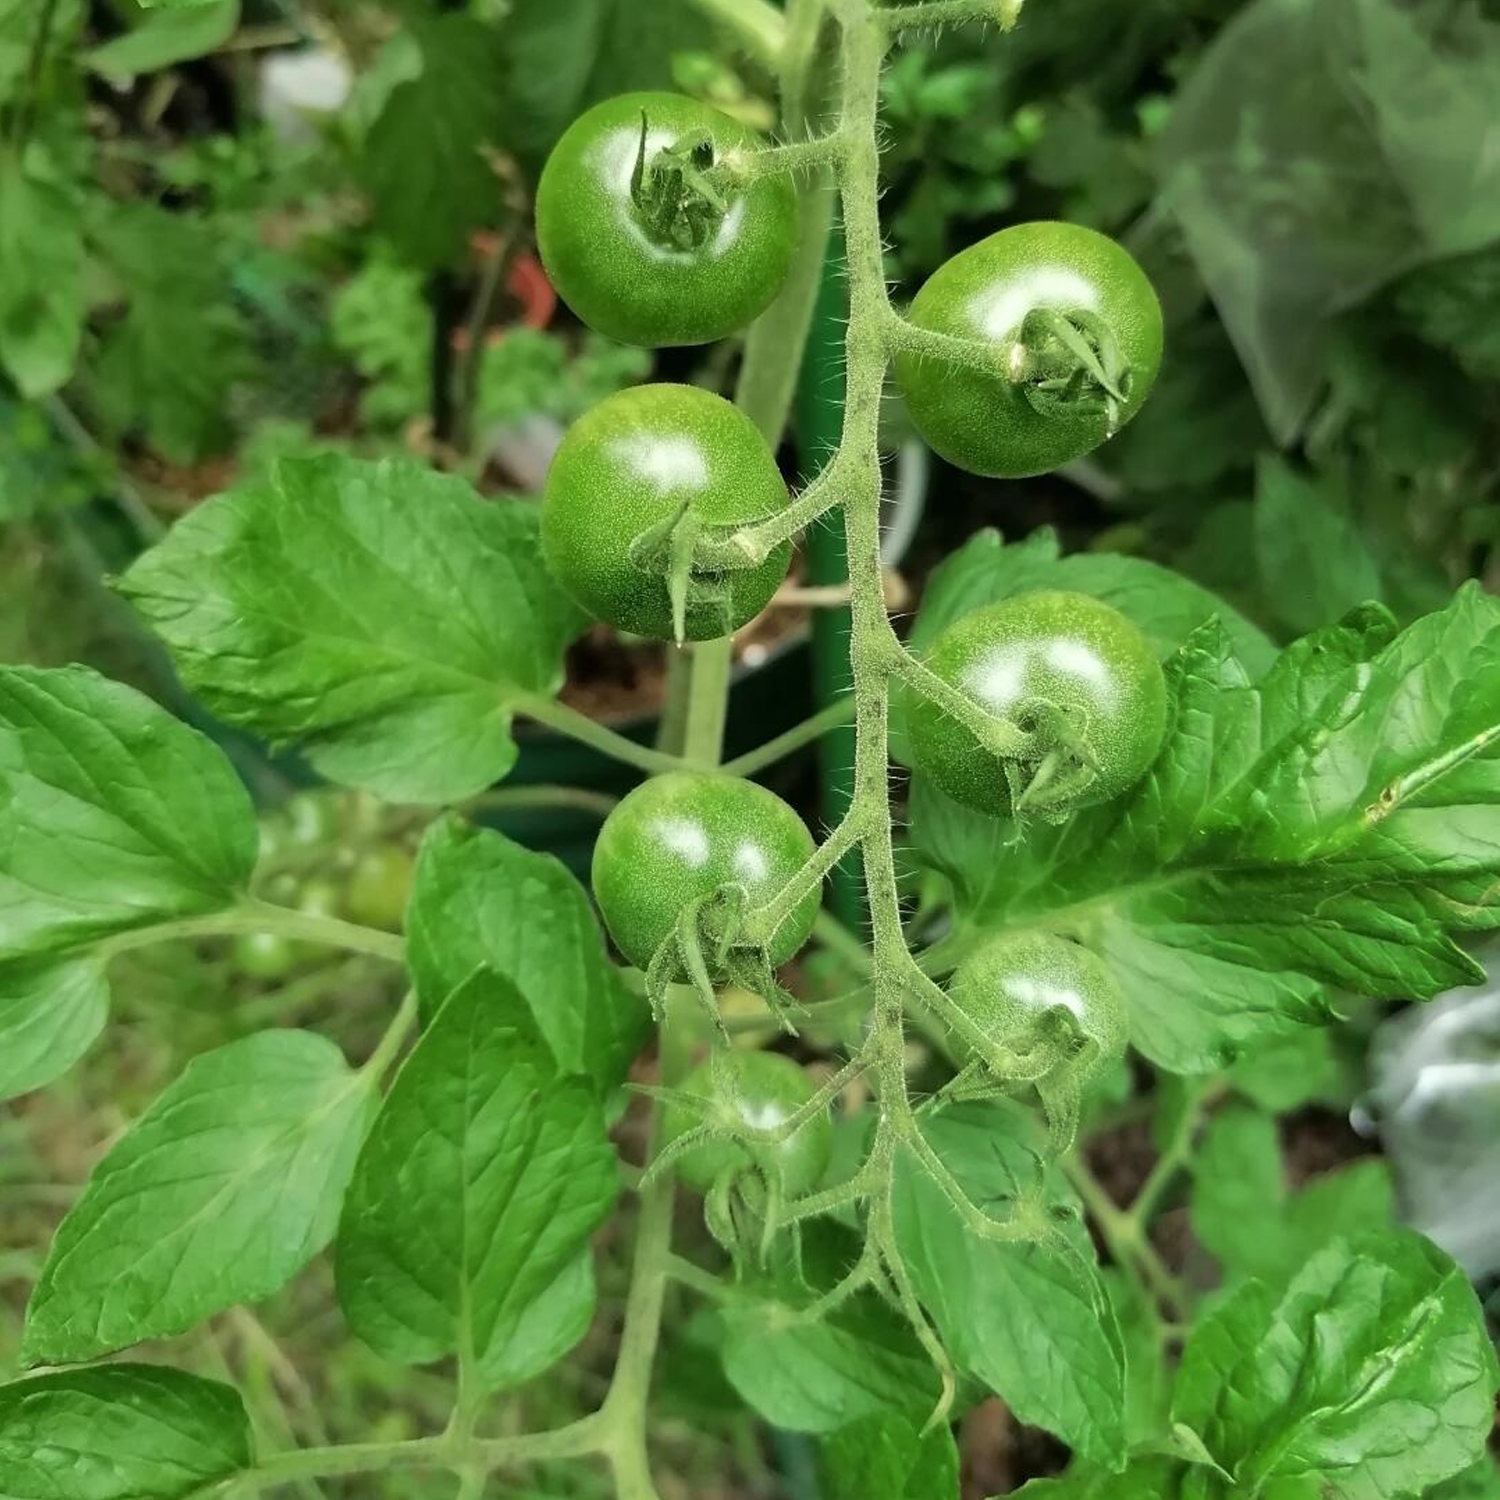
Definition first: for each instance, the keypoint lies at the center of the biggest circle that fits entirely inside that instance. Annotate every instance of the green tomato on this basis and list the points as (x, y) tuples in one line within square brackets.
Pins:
[(625, 261), (265, 955), (379, 887), (765, 1089), (1054, 662), (680, 838), (1011, 429), (1040, 991), (629, 465), (320, 897), (313, 818)]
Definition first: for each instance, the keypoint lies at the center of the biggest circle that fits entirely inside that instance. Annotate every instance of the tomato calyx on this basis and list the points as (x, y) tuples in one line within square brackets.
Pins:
[(1071, 364), (673, 550), (708, 944), (1060, 766), (677, 190)]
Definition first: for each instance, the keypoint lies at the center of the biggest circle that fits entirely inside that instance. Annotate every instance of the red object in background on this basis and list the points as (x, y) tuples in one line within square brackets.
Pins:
[(526, 286), (530, 287)]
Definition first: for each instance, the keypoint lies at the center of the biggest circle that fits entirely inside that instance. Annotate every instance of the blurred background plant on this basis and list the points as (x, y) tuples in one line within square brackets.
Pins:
[(261, 227)]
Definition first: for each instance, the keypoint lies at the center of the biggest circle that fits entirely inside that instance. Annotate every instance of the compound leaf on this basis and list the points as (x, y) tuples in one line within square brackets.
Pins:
[(481, 1182), (1370, 1376), (1031, 1321), (121, 1432), (219, 1194), (886, 1457), (113, 815), (482, 901), (379, 615)]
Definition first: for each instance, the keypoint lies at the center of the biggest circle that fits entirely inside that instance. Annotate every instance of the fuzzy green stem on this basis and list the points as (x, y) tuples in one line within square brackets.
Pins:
[(756, 25), (389, 1048), (557, 716), (751, 545), (252, 916), (1174, 1155), (998, 736), (931, 14), (1128, 1244), (792, 740)]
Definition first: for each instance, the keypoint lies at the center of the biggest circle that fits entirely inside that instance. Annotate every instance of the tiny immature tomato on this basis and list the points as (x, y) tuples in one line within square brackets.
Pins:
[(379, 887), (682, 837), (265, 955), (1064, 666), (765, 1089), (630, 464), (1031, 292), (643, 233), (1036, 992)]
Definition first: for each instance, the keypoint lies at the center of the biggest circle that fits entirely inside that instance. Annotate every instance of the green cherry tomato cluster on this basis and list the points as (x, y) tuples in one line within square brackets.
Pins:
[(1069, 671), (756, 1091), (662, 222), (1080, 331)]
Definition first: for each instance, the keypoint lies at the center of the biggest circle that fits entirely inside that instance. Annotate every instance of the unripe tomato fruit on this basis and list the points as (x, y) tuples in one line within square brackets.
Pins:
[(623, 275), (265, 955), (1011, 429), (379, 887), (1075, 653), (681, 837), (1018, 990), (629, 464), (767, 1089)]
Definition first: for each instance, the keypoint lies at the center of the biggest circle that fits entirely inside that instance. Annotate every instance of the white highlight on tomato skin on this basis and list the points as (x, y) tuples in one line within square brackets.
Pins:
[(1038, 995), (998, 311), (670, 464), (999, 679), (763, 1116), (685, 838), (749, 863)]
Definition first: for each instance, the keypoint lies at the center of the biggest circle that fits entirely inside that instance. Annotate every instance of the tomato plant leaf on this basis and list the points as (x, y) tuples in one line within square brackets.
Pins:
[(1143, 1479), (1327, 825), (167, 35), (887, 1458), (424, 160), (557, 62), (121, 1432), (1148, 1381), (1030, 1321), (479, 1186), (482, 901), (1482, 1482), (1314, 563), (50, 1014), (1372, 1372), (168, 365), (860, 1362), (219, 1194), (113, 815), (380, 615), (41, 278), (1238, 1180)]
